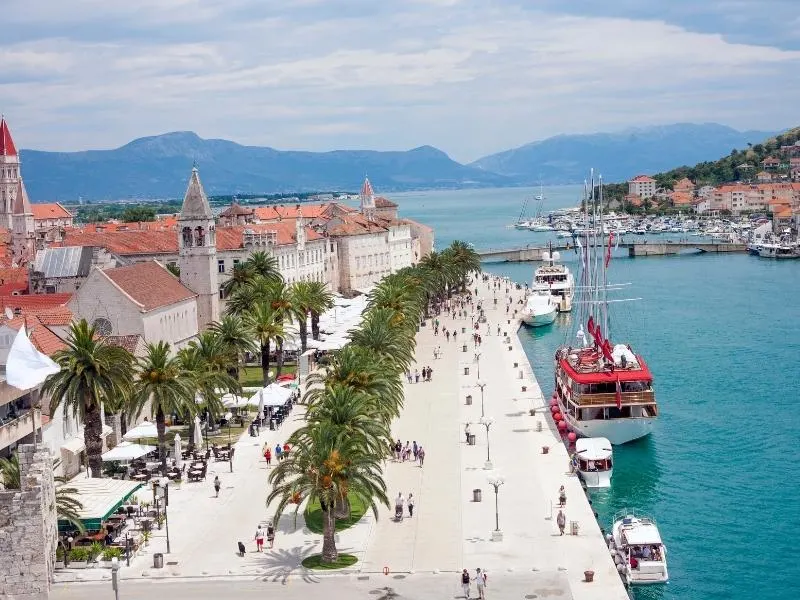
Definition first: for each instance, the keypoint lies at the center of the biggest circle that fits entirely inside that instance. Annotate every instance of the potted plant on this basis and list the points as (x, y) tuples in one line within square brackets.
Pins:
[(95, 550), (108, 554), (146, 537), (160, 519), (60, 557), (79, 557)]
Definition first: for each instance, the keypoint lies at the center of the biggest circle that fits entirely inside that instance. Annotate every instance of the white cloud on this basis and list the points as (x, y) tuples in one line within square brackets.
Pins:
[(466, 76)]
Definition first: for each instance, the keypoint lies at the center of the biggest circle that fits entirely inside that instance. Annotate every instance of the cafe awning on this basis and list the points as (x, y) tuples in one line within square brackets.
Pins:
[(127, 451), (100, 498)]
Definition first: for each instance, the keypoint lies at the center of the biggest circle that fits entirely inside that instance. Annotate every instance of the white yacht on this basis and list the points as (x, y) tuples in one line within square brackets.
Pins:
[(780, 250), (595, 464), (555, 280), (639, 552), (540, 309)]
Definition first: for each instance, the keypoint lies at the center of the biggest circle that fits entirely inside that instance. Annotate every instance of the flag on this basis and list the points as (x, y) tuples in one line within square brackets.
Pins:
[(26, 367), (619, 394), (590, 326), (608, 250)]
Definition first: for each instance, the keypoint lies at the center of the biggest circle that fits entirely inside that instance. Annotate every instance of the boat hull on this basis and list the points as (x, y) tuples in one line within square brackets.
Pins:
[(617, 431), (538, 319), (596, 479)]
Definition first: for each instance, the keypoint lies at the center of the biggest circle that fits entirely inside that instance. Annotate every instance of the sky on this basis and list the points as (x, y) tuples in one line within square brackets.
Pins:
[(470, 77)]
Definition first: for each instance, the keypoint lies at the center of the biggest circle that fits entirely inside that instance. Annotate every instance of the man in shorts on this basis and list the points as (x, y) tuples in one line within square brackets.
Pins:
[(259, 539)]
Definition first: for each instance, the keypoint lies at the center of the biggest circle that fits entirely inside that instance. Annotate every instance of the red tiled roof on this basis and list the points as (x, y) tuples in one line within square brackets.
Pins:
[(34, 303), (236, 209), (128, 342), (42, 338), (58, 315), (643, 179), (357, 224), (52, 210), (150, 284), (381, 202), (13, 280), (7, 147)]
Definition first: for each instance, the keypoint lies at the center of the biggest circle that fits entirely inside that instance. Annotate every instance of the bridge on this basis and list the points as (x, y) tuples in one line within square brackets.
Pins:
[(636, 248)]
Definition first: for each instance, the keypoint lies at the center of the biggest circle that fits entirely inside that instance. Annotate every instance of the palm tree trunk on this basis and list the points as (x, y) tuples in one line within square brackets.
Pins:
[(303, 326), (280, 359), (92, 437), (314, 325), (161, 427), (329, 552), (265, 363)]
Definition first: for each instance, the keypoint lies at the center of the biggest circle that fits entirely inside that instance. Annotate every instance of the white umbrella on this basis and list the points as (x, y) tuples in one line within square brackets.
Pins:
[(26, 367), (272, 395), (233, 401), (178, 450), (198, 433), (147, 429), (127, 451), (261, 404)]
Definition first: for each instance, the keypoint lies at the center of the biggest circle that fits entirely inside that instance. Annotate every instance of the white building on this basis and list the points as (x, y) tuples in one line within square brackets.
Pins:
[(642, 186)]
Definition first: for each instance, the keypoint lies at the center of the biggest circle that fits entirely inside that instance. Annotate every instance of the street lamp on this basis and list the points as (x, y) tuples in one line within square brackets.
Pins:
[(478, 360), (115, 576), (496, 480), (487, 422), (481, 384), (228, 417), (161, 491)]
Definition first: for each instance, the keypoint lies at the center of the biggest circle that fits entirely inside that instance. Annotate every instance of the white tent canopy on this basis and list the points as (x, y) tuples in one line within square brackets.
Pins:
[(233, 401), (127, 451), (272, 395), (593, 448), (146, 429)]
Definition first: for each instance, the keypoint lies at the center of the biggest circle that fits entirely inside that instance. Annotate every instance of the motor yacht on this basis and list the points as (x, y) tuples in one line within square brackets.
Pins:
[(639, 552), (556, 280), (540, 310), (595, 464)]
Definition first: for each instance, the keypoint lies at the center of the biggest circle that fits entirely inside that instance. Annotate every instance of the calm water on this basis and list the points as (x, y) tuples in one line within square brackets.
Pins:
[(722, 336)]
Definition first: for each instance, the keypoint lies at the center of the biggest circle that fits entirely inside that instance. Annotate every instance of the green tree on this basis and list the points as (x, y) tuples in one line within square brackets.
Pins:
[(264, 265), (266, 324), (323, 301), (92, 373), (165, 388), (235, 338), (242, 275)]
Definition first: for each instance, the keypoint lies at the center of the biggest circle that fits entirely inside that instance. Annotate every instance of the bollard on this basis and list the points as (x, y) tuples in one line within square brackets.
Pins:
[(519, 376), (510, 348), (476, 495), (524, 388), (469, 400), (538, 425), (516, 364), (466, 370), (158, 560), (545, 449)]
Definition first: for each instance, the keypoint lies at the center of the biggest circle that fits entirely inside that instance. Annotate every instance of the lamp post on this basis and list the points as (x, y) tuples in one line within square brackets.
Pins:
[(115, 576), (228, 417), (487, 422), (161, 490), (496, 481), (478, 360), (481, 384)]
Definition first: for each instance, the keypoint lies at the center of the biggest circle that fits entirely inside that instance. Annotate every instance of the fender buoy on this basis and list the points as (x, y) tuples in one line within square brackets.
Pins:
[(385, 570)]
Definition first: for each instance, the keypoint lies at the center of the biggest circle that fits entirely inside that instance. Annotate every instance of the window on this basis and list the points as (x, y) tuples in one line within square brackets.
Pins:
[(221, 265), (102, 326)]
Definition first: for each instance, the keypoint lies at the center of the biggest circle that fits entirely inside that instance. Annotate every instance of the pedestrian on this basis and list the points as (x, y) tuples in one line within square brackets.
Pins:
[(421, 456), (480, 581), (259, 539), (465, 583), (416, 375), (410, 503), (561, 519), (267, 454), (454, 335), (406, 451), (439, 351), (408, 376), (467, 432), (415, 449), (399, 503), (447, 335), (217, 485), (285, 453), (480, 340), (270, 535), (562, 496), (278, 452), (430, 372)]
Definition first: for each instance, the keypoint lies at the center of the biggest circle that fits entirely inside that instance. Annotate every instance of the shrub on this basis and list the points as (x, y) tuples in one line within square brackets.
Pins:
[(110, 553), (79, 554)]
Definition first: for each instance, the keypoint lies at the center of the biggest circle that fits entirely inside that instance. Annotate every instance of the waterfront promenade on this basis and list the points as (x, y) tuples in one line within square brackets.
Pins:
[(448, 532)]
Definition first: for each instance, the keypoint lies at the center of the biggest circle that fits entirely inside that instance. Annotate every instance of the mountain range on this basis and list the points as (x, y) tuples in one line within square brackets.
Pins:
[(158, 166)]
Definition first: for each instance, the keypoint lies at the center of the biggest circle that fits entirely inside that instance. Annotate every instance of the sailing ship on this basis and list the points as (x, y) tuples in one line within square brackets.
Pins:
[(602, 389)]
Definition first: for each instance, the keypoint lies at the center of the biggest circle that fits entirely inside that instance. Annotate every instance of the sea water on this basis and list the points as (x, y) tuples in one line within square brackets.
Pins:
[(720, 473)]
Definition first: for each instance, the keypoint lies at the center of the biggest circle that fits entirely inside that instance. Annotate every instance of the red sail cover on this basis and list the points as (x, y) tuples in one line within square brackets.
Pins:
[(623, 375), (608, 250)]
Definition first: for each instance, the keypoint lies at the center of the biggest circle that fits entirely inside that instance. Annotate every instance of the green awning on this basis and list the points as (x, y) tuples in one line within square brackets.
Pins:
[(100, 498)]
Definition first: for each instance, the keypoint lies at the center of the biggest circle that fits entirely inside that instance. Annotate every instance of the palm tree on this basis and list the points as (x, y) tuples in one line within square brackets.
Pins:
[(282, 301), (264, 265), (9, 472), (378, 335), (323, 300), (161, 384), (241, 276), (327, 467), (236, 339), (466, 260), (92, 373), (267, 326), (302, 299)]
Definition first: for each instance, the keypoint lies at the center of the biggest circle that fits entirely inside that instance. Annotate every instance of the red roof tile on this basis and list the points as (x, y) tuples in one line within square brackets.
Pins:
[(7, 147), (13, 279), (33, 303), (150, 284), (52, 210), (128, 342), (643, 179), (42, 338), (381, 202)]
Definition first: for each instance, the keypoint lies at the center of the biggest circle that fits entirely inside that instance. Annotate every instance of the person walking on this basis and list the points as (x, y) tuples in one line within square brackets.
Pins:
[(421, 456), (259, 539), (267, 454), (278, 452), (410, 503), (270, 535), (285, 453), (416, 375), (217, 485), (430, 373), (562, 496), (480, 581), (415, 449), (447, 335), (467, 432), (408, 376), (399, 504), (465, 579), (561, 520)]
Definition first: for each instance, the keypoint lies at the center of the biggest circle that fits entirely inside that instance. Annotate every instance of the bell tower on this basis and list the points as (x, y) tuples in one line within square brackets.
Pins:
[(23, 231), (197, 244), (9, 175), (367, 197)]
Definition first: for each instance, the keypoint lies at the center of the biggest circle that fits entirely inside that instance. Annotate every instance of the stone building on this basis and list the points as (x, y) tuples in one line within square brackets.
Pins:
[(23, 231), (28, 529), (9, 174)]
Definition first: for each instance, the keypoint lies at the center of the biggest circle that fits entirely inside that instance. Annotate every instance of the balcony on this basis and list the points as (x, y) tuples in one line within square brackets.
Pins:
[(628, 399), (13, 430)]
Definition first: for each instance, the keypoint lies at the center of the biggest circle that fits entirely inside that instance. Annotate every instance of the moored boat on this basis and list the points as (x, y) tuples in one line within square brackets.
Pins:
[(639, 552), (540, 310), (556, 280), (595, 464)]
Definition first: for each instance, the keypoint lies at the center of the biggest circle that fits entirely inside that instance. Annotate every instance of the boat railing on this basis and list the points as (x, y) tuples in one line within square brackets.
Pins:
[(609, 399)]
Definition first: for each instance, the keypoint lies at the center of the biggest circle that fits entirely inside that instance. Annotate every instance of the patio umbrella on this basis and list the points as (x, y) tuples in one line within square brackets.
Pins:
[(198, 433), (127, 451), (272, 395), (147, 429), (178, 450), (261, 404), (233, 401)]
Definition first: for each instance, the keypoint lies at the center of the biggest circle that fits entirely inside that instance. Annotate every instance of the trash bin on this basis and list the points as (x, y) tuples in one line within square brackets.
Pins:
[(574, 527), (272, 424), (463, 330), (469, 400), (471, 439), (464, 348), (158, 560), (476, 495)]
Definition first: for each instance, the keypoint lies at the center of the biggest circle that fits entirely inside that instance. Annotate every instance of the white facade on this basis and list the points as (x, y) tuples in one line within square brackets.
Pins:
[(363, 260), (401, 250), (642, 186)]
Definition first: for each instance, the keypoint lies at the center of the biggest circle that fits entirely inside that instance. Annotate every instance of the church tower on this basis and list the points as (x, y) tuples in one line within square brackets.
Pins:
[(300, 231), (9, 175), (23, 234), (197, 243), (367, 200)]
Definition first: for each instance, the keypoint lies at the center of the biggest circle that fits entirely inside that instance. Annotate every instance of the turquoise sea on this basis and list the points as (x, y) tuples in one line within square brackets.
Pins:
[(722, 336)]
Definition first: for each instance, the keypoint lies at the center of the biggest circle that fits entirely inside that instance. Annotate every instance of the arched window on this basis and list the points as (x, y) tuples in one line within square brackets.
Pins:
[(102, 326), (187, 237), (199, 236)]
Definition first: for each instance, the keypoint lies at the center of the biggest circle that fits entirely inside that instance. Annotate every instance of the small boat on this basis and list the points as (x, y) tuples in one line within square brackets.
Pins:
[(639, 552), (595, 464), (540, 310), (555, 279), (780, 250)]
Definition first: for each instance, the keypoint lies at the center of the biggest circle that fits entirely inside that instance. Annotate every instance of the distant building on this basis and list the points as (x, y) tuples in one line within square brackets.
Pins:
[(684, 185), (642, 186), (9, 175), (64, 269), (770, 163)]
